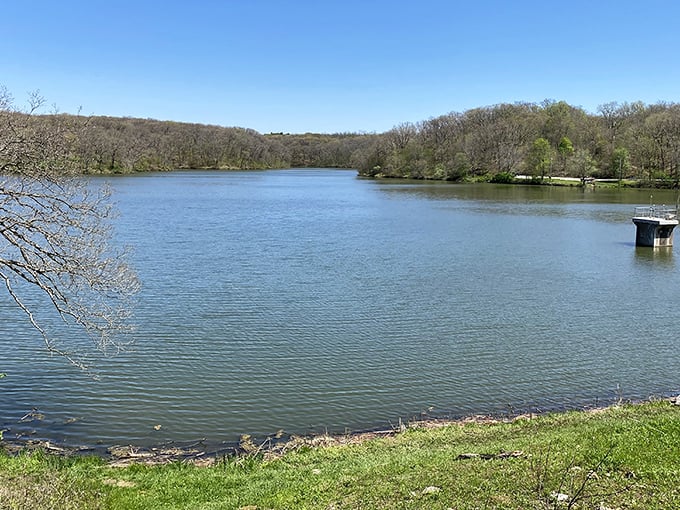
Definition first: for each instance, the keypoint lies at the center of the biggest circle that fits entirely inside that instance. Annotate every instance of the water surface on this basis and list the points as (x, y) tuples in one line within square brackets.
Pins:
[(312, 300)]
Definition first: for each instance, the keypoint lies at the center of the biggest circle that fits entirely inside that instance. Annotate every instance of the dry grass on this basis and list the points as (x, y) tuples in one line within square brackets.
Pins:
[(47, 490)]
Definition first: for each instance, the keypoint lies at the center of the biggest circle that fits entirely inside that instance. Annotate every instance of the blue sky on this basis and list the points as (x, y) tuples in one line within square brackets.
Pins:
[(335, 66)]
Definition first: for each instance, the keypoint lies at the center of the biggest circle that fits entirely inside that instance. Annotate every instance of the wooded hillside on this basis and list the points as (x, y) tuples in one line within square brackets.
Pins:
[(552, 138), (125, 145)]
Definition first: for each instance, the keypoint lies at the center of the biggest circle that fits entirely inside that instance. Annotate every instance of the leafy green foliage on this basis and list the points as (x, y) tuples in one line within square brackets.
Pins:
[(620, 165), (565, 147), (502, 138), (503, 178), (539, 158)]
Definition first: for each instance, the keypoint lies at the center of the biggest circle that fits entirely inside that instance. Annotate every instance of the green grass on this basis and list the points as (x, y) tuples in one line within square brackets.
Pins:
[(622, 457)]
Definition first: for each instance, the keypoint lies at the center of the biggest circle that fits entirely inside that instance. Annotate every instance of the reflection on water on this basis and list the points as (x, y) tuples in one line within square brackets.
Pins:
[(310, 300), (600, 204), (661, 257)]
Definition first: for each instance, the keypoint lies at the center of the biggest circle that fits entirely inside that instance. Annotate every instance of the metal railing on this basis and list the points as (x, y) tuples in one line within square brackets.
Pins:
[(665, 212)]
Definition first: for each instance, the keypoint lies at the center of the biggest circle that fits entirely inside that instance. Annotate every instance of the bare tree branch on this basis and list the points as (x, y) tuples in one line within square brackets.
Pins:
[(55, 230)]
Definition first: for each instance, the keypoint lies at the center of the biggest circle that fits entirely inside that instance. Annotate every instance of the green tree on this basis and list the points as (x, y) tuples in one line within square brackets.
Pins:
[(620, 162), (459, 167), (565, 149), (539, 158), (583, 164)]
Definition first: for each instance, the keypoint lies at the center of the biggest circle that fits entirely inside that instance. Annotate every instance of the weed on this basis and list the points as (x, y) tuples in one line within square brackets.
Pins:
[(560, 485)]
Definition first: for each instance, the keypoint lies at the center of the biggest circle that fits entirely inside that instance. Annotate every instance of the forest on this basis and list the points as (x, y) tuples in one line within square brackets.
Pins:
[(629, 140), (540, 140), (122, 145)]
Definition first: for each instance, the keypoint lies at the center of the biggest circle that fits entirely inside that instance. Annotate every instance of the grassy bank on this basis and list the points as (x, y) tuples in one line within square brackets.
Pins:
[(621, 457)]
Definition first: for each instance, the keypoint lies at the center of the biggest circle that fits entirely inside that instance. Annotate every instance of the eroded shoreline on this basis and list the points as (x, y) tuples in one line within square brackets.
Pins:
[(202, 453)]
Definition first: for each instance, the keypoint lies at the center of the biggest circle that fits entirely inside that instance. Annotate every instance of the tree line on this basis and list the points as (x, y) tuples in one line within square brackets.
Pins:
[(123, 145), (628, 140)]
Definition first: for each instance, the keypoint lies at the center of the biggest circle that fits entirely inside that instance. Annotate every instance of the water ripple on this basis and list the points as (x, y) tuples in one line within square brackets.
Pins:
[(312, 301)]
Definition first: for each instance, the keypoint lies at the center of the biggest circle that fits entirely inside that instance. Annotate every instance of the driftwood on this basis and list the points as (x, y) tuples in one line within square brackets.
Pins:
[(488, 456)]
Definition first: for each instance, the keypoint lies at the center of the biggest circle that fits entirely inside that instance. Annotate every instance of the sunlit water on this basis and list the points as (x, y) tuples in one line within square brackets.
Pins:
[(312, 300)]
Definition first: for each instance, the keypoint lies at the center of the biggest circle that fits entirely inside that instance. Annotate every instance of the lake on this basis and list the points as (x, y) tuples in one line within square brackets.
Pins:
[(312, 300)]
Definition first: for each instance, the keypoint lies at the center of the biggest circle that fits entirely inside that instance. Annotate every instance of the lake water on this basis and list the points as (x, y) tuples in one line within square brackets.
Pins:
[(312, 300)]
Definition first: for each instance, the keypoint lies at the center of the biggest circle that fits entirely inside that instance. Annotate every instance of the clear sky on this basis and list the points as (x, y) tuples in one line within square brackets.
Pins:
[(335, 66)]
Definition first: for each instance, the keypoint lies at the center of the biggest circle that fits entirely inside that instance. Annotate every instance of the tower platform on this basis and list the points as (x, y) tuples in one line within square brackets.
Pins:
[(655, 225)]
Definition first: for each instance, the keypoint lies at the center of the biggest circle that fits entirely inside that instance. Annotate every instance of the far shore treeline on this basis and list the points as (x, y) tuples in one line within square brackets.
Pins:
[(629, 140)]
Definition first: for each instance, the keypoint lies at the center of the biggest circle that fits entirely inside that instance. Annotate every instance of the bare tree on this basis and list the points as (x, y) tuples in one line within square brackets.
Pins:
[(55, 231)]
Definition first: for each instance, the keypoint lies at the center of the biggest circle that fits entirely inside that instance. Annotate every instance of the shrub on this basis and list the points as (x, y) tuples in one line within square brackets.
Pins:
[(503, 178)]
